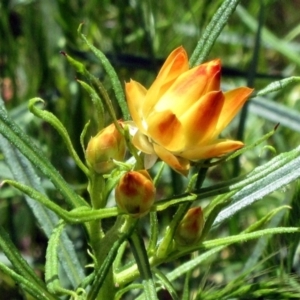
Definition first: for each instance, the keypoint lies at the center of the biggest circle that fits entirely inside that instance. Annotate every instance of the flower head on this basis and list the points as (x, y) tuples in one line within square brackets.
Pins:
[(108, 144), (135, 193), (180, 117)]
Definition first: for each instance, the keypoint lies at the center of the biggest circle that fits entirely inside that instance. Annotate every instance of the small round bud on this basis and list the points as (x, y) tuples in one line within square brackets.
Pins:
[(108, 144), (190, 228), (135, 193)]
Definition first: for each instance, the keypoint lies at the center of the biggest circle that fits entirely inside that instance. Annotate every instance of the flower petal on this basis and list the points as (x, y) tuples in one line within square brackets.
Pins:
[(141, 142), (176, 64), (200, 121), (234, 100), (216, 149), (190, 86), (178, 164), (135, 94), (149, 160), (165, 130)]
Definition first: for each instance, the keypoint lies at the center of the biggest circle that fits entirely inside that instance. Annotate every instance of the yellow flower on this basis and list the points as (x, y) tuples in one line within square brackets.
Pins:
[(180, 117)]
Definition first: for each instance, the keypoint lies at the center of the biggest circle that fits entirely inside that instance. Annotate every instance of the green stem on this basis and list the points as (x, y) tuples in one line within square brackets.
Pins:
[(165, 246), (103, 286), (138, 249), (96, 189)]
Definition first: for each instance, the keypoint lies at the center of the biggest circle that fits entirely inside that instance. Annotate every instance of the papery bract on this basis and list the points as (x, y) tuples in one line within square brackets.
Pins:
[(135, 193), (108, 144), (180, 117)]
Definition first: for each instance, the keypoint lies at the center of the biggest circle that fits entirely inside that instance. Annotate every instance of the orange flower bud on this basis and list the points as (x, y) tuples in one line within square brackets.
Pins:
[(108, 144), (190, 228), (135, 193)]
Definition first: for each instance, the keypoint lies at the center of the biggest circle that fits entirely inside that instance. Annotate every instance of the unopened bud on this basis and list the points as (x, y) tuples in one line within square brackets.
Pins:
[(108, 144), (190, 228), (135, 193)]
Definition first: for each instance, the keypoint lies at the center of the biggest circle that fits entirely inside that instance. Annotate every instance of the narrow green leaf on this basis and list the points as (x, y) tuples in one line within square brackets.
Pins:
[(97, 86), (212, 31), (265, 219), (186, 288), (41, 198), (79, 215), (280, 171), (277, 86), (275, 112), (120, 293), (117, 87), (96, 102), (28, 285), (243, 237), (83, 134), (22, 142), (19, 263), (139, 251), (260, 247), (219, 244), (149, 289), (153, 233), (84, 214), (252, 146), (52, 265), (58, 126), (23, 171), (166, 283), (193, 263)]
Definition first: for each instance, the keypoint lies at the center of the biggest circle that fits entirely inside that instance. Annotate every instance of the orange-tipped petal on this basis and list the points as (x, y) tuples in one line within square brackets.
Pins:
[(215, 78), (178, 164), (234, 100), (218, 148), (135, 94), (165, 130), (176, 64), (190, 86), (200, 120), (141, 142)]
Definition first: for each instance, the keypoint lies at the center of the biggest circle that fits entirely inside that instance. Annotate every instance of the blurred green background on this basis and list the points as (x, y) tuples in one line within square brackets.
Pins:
[(260, 44)]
